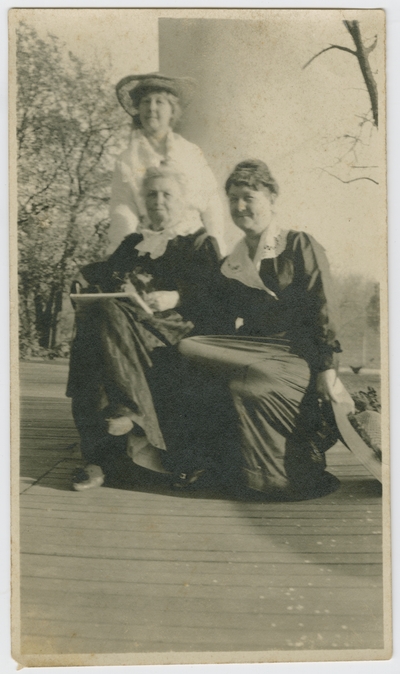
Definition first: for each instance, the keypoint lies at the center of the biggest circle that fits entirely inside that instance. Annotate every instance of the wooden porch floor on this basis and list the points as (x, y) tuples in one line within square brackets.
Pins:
[(148, 570)]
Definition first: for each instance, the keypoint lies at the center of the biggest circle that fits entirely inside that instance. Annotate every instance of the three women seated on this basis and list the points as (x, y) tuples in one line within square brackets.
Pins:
[(225, 370)]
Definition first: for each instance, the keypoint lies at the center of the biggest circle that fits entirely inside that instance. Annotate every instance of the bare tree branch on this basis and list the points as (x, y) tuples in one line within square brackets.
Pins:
[(362, 55), (44, 189), (353, 180), (372, 46), (333, 46)]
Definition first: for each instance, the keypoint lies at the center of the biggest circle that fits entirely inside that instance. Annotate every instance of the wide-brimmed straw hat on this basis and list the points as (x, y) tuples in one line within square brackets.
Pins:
[(131, 89), (361, 434)]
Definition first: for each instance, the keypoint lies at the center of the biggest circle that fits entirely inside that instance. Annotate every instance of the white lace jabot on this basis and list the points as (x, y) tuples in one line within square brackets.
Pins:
[(155, 243)]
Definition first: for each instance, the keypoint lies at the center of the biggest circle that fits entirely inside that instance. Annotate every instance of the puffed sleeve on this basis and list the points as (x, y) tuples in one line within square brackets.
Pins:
[(123, 209), (320, 310), (106, 276)]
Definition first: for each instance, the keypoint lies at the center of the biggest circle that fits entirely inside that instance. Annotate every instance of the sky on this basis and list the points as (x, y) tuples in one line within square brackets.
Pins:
[(254, 99)]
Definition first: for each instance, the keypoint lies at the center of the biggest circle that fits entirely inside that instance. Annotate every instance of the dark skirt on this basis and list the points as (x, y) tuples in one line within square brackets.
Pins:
[(268, 394), (124, 362)]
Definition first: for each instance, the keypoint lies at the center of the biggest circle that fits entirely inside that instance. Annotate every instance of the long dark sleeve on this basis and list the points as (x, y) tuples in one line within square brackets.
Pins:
[(319, 309), (106, 275)]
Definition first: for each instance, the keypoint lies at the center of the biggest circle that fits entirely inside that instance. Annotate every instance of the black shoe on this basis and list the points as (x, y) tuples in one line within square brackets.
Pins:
[(89, 477)]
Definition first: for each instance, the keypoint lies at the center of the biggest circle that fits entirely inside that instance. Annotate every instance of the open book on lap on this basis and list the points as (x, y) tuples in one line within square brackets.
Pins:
[(91, 297)]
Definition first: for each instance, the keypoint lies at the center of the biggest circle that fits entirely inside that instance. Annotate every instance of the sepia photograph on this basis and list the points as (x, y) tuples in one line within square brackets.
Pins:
[(200, 378)]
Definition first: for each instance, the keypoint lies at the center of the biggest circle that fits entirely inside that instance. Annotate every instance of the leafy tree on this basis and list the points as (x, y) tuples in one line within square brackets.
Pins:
[(69, 127)]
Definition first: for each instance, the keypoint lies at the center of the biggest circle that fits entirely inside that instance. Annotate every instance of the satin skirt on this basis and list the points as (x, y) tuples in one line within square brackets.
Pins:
[(124, 362), (278, 431)]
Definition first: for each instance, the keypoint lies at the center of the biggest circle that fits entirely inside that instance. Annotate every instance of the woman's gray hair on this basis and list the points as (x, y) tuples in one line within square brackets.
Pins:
[(172, 100), (164, 171)]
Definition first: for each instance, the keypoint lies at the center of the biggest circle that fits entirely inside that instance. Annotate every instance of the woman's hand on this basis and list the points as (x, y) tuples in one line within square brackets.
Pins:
[(326, 385), (161, 300), (329, 387), (128, 287)]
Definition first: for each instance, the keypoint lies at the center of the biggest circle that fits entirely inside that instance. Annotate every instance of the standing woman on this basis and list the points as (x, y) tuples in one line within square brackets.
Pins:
[(155, 102), (278, 368)]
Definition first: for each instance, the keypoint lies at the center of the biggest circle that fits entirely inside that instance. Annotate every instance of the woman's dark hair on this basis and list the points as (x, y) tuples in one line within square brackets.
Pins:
[(253, 173)]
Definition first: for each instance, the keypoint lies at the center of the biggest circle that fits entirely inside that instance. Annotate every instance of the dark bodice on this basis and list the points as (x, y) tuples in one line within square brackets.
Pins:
[(303, 308), (190, 265)]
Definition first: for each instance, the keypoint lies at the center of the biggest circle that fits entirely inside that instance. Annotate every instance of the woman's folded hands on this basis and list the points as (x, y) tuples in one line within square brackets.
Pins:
[(162, 300), (158, 300)]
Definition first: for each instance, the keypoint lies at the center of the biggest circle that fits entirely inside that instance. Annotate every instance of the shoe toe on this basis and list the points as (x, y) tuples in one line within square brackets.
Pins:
[(90, 477)]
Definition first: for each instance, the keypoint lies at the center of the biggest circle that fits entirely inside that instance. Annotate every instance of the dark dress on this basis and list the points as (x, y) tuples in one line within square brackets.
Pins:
[(265, 371), (125, 361)]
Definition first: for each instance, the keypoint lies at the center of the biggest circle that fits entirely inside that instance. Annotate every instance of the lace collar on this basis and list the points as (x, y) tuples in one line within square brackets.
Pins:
[(238, 265), (155, 243)]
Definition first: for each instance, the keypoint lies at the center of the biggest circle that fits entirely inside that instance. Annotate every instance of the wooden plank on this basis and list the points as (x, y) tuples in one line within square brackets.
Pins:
[(196, 637), (146, 523), (196, 557), (217, 556), (146, 568), (79, 514), (162, 523), (179, 618), (275, 640), (168, 502), (128, 588), (211, 541), (129, 570), (207, 610), (95, 511), (226, 519)]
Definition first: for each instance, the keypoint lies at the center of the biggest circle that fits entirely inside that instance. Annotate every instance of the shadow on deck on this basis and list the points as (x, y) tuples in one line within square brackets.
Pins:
[(145, 569)]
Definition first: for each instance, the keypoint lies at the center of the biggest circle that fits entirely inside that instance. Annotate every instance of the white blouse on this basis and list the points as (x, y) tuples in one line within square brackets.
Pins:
[(128, 209)]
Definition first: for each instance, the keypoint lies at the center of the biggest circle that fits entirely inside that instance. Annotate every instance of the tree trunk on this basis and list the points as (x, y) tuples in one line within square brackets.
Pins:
[(56, 310), (47, 318), (362, 55)]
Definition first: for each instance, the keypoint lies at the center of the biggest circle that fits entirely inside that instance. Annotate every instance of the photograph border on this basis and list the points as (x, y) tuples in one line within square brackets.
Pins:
[(274, 656)]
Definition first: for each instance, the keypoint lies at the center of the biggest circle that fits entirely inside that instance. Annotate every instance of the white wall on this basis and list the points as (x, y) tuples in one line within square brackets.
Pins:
[(254, 100)]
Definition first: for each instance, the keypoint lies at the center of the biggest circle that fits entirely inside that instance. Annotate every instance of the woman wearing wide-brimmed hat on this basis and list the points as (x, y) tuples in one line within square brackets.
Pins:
[(155, 102)]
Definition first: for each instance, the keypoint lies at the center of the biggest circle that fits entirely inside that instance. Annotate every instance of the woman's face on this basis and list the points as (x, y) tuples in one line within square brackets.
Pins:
[(155, 112), (164, 202), (251, 210)]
